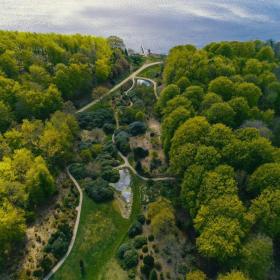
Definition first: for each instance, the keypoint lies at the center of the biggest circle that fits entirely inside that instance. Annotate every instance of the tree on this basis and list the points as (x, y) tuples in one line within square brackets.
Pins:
[(222, 86), (250, 92), (266, 210), (221, 113), (182, 158), (219, 136), (38, 74), (192, 131), (12, 229), (8, 64), (190, 188), (170, 123), (116, 42), (267, 175), (209, 99), (195, 95), (241, 109), (233, 275), (207, 156), (266, 53), (220, 239), (196, 275), (99, 92), (228, 206), (183, 83), (257, 257), (253, 66), (168, 93), (177, 101), (40, 183), (6, 116), (216, 183), (102, 69)]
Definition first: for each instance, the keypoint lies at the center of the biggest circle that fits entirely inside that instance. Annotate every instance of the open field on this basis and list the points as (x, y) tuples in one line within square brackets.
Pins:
[(101, 231)]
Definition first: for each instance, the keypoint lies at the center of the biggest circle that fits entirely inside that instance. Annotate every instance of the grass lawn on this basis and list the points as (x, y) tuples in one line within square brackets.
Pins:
[(101, 231)]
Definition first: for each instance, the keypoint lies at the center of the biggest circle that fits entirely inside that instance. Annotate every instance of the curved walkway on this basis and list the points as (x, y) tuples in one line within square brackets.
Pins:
[(79, 208), (124, 158), (130, 77)]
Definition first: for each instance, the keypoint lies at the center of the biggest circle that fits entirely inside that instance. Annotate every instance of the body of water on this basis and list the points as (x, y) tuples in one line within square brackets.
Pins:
[(157, 24)]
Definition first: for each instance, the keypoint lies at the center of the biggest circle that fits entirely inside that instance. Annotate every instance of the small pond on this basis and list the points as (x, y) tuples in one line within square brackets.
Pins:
[(123, 185)]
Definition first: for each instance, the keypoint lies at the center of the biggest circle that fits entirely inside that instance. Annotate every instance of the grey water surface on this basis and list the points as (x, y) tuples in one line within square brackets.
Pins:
[(157, 24)]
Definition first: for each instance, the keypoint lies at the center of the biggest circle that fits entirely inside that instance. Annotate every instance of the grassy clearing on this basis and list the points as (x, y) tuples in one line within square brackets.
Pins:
[(101, 231), (152, 72)]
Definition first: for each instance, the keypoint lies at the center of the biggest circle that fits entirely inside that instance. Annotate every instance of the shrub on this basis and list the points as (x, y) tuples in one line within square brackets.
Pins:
[(95, 119), (145, 269), (151, 238), (108, 128), (99, 190), (153, 275), (141, 219), (127, 255), (140, 153), (149, 260), (135, 229), (109, 174), (123, 248), (130, 259), (140, 241), (122, 142), (145, 249), (78, 171), (46, 263), (137, 128)]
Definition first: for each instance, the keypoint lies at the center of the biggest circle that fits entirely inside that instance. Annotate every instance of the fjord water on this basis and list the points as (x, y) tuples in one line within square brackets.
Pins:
[(157, 24)]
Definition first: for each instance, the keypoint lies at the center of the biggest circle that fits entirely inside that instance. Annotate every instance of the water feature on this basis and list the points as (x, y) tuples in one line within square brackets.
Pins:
[(157, 24), (123, 185)]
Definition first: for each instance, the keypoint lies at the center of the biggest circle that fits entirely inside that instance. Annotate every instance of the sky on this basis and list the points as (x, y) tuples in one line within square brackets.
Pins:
[(157, 24)]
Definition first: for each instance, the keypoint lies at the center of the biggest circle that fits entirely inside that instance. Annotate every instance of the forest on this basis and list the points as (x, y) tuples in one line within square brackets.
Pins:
[(43, 77), (220, 131), (199, 134)]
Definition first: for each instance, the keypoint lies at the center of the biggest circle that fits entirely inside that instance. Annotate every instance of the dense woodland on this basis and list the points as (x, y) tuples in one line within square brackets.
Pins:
[(221, 132), (40, 76), (219, 110)]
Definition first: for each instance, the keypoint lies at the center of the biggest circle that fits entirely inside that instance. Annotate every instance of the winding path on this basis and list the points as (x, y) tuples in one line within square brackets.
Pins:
[(127, 164), (124, 158), (131, 77), (79, 209)]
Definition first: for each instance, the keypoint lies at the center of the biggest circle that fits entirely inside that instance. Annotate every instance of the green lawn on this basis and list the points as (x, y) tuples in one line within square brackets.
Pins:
[(101, 231)]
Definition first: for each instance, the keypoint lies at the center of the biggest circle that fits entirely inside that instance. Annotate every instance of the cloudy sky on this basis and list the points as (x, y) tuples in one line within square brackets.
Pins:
[(157, 24)]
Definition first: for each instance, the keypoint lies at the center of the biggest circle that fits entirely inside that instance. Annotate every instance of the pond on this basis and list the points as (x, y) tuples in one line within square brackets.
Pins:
[(157, 25), (124, 185)]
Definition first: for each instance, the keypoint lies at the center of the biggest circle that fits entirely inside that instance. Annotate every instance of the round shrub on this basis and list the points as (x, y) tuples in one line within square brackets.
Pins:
[(145, 249), (151, 238), (141, 219), (149, 260), (137, 128), (140, 241), (140, 153), (130, 259), (123, 248), (135, 229)]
